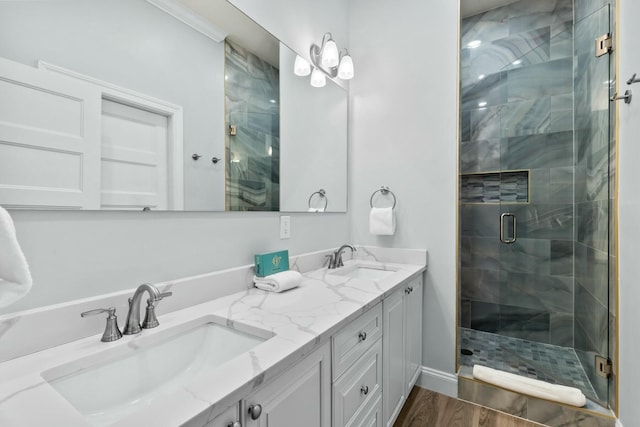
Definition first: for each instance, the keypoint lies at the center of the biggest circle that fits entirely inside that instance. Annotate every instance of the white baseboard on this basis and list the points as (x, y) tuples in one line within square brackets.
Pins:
[(438, 381)]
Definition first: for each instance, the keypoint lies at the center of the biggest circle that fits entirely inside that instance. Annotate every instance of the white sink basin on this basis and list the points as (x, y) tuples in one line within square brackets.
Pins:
[(108, 386), (364, 272)]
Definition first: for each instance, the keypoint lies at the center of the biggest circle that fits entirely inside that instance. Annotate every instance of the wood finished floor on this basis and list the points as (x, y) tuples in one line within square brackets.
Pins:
[(425, 408)]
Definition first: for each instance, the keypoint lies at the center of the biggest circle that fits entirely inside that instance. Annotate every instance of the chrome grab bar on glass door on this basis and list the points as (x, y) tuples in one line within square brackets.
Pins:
[(503, 239)]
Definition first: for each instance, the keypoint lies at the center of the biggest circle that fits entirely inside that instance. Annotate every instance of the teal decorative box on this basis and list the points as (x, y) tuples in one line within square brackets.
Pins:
[(271, 263)]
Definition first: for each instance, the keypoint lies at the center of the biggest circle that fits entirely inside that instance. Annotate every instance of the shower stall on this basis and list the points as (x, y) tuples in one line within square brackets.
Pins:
[(537, 193)]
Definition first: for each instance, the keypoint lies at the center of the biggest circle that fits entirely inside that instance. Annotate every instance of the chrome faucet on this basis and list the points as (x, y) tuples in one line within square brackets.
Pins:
[(335, 260), (133, 325)]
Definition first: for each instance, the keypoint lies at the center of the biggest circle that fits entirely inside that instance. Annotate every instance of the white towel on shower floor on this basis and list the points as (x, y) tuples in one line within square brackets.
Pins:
[(532, 387), (15, 277)]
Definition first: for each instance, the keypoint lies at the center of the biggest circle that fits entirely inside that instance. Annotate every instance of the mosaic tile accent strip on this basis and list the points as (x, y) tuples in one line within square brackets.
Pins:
[(495, 187), (545, 362)]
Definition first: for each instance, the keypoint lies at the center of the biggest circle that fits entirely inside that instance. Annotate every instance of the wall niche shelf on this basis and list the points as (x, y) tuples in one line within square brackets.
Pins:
[(495, 187)]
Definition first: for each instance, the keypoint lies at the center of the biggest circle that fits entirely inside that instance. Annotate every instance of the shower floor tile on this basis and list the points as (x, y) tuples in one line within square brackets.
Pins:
[(546, 362)]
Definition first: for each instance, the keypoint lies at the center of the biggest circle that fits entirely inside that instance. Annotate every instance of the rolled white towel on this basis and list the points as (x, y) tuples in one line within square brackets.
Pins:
[(382, 221), (532, 387), (15, 277), (278, 282)]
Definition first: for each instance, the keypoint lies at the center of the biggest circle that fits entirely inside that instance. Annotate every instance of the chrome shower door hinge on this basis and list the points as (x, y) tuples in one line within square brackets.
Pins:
[(604, 44), (604, 367)]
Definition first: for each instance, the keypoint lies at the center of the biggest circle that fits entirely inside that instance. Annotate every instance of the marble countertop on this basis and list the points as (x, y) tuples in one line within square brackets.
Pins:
[(300, 320)]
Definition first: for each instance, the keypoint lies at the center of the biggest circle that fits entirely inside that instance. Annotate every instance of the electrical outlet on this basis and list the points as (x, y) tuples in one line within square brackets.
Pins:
[(285, 227)]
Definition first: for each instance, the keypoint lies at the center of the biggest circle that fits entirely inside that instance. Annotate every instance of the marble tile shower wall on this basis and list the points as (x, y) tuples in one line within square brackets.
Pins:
[(517, 113), (594, 249), (252, 88)]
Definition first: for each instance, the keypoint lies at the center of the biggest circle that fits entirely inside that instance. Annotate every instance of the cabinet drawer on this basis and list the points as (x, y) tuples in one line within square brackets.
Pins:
[(358, 387), (226, 419), (356, 338), (371, 415)]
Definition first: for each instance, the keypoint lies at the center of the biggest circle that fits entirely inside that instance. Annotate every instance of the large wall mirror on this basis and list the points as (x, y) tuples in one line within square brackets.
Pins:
[(161, 105)]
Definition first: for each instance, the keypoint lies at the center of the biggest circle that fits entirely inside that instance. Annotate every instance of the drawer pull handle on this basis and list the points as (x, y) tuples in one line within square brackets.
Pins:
[(362, 336), (255, 411), (364, 389)]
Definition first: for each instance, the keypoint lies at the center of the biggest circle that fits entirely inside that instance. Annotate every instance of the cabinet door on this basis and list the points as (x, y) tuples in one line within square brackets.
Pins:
[(299, 397), (393, 356), (413, 316)]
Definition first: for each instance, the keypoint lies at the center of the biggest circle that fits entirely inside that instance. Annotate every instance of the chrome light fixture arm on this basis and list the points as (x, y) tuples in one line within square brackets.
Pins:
[(315, 53)]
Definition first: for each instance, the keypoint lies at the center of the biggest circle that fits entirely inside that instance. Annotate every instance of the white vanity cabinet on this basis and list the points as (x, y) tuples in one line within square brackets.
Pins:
[(402, 346), (357, 371), (299, 397)]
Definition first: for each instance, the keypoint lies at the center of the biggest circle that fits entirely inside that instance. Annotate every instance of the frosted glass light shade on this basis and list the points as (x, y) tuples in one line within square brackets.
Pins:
[(318, 79), (301, 67), (345, 70), (330, 56)]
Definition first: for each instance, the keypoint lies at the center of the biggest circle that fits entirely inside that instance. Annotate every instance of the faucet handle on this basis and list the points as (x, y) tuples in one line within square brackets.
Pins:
[(164, 295), (331, 260), (111, 330), (150, 319)]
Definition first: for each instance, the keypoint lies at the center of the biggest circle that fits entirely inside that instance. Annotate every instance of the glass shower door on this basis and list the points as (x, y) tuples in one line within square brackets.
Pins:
[(594, 312), (554, 204)]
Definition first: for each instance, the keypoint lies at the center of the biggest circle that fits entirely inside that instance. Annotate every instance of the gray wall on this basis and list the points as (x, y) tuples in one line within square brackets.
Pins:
[(403, 134), (627, 372), (135, 45)]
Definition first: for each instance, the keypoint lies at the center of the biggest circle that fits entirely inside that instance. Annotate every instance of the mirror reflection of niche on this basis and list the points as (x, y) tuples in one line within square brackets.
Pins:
[(252, 118)]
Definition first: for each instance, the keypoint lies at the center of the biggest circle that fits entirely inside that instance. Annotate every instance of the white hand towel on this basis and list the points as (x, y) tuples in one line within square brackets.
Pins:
[(15, 277), (278, 282), (382, 221), (530, 386)]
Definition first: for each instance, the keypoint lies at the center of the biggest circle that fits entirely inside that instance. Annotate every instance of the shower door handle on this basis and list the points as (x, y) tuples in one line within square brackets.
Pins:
[(503, 220)]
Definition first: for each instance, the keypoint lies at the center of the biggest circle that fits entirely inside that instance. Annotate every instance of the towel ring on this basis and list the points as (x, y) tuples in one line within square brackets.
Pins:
[(384, 190), (321, 193)]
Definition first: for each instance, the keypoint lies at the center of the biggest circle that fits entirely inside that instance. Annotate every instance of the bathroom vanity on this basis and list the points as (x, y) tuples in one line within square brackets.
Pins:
[(343, 349)]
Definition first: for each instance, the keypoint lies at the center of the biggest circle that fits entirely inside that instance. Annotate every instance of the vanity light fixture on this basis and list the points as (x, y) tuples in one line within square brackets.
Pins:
[(301, 67), (329, 56), (318, 79), (326, 61), (345, 69)]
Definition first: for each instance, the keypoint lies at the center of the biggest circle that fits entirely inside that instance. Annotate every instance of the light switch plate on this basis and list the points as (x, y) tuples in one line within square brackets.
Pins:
[(285, 227)]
